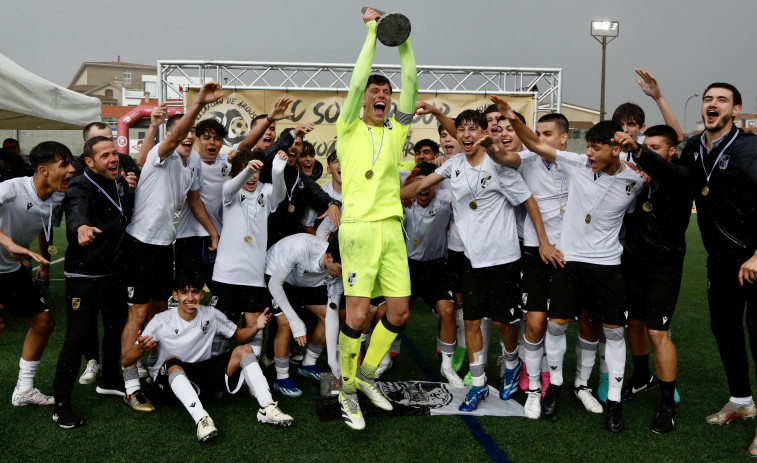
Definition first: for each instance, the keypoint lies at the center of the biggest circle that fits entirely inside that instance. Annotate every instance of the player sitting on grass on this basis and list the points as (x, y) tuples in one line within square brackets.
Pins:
[(183, 337), (305, 273)]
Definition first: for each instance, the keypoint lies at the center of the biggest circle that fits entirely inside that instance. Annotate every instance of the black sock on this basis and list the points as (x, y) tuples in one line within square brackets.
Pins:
[(668, 390), (640, 369)]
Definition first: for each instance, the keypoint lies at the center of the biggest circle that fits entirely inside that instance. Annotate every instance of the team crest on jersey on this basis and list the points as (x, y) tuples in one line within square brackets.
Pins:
[(29, 206), (432, 212), (205, 326), (261, 200), (351, 279), (213, 301), (300, 184), (224, 170), (130, 291), (75, 303), (630, 185), (723, 164), (485, 180)]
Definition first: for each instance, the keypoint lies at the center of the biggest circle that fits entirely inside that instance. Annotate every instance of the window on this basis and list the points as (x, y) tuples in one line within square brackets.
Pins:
[(127, 77), (751, 124)]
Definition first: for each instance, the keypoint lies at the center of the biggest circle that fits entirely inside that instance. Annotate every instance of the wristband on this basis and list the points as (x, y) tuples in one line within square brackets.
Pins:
[(269, 119)]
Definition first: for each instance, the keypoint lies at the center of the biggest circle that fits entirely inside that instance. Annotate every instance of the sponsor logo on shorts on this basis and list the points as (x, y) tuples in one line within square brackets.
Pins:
[(75, 303), (512, 311), (130, 291), (351, 279), (213, 301), (626, 314), (524, 297), (664, 320)]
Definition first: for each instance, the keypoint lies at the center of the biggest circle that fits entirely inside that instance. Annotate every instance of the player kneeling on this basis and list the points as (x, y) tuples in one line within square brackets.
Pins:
[(184, 338)]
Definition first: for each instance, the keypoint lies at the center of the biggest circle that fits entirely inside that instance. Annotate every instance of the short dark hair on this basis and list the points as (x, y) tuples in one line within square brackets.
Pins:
[(12, 140), (603, 132), (257, 118), (378, 79), (88, 128), (243, 157), (333, 248), (727, 86), (307, 148), (210, 126), (48, 152), (561, 122), (492, 108), (520, 116), (425, 168), (89, 146), (471, 116), (629, 112), (440, 128), (332, 157), (172, 121), (665, 131), (426, 142), (188, 280)]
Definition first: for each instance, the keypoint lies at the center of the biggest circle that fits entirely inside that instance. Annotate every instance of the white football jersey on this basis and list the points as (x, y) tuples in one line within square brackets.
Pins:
[(488, 232), (161, 191), (211, 192), (549, 186), (191, 341), (428, 227), (23, 216), (605, 198)]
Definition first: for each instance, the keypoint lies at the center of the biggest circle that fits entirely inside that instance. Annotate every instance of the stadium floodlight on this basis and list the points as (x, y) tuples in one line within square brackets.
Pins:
[(604, 32)]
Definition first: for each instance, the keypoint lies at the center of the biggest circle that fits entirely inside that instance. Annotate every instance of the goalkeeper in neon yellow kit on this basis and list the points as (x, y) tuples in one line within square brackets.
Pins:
[(374, 257)]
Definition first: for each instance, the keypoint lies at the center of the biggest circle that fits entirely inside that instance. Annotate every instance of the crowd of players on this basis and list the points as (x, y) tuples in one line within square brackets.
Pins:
[(496, 225)]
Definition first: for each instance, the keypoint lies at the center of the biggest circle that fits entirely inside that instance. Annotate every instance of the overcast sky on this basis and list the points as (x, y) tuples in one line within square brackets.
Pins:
[(686, 44)]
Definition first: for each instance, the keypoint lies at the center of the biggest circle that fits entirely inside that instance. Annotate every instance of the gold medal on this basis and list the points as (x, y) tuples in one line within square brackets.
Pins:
[(647, 206), (473, 205), (562, 209), (369, 174), (588, 219), (416, 240), (705, 190), (291, 208), (247, 238), (52, 249)]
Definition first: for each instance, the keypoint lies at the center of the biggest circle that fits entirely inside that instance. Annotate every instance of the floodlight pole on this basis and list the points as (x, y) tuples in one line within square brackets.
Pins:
[(684, 110), (604, 43)]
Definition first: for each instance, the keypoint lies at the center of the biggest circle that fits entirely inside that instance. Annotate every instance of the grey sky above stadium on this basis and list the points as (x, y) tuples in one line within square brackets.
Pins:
[(685, 44)]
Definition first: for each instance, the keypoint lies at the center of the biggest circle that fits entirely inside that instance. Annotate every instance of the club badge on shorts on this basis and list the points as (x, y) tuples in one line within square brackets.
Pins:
[(75, 303)]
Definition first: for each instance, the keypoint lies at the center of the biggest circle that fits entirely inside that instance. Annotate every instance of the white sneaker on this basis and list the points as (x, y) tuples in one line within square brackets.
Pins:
[(351, 413), (206, 429), (271, 414), (451, 376), (143, 373), (30, 397), (91, 373), (532, 407), (583, 394), (368, 387), (384, 366)]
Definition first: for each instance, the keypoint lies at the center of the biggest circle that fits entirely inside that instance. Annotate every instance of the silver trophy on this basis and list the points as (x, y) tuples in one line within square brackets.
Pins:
[(392, 29)]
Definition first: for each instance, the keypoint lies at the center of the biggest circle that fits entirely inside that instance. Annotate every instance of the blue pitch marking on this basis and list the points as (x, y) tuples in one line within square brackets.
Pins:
[(475, 428)]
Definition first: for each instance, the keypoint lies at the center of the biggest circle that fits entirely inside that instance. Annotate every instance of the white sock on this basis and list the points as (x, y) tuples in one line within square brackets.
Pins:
[(257, 343), (742, 401), (586, 356), (460, 334), (26, 373), (131, 380), (477, 372), (534, 355), (187, 395), (448, 350), (555, 345), (282, 367), (255, 380), (486, 335), (511, 358), (602, 352), (312, 354), (616, 361)]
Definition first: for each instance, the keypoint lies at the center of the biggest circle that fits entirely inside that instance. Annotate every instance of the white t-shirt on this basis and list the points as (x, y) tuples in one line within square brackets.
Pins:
[(596, 242), (429, 226), (549, 186), (191, 341), (161, 191), (213, 177), (23, 216), (246, 214), (488, 232), (298, 260)]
